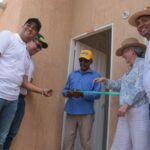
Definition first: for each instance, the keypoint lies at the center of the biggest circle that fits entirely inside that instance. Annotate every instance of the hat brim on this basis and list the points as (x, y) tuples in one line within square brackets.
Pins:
[(42, 40), (132, 19), (85, 58), (120, 50)]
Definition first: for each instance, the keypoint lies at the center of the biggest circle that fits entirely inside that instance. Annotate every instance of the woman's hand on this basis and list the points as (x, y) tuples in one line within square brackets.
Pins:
[(99, 80), (122, 110)]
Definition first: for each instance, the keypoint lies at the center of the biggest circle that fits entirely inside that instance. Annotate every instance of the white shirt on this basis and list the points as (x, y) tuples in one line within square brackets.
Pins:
[(23, 91), (146, 78), (14, 63)]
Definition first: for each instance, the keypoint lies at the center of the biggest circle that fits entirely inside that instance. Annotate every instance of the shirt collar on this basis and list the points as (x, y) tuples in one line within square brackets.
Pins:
[(22, 42), (88, 71), (136, 60), (20, 39)]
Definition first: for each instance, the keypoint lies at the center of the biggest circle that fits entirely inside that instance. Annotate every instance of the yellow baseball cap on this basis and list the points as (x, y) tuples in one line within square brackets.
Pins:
[(87, 54)]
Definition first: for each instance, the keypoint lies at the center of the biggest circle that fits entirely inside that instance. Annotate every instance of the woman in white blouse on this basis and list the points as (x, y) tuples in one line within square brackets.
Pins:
[(132, 132)]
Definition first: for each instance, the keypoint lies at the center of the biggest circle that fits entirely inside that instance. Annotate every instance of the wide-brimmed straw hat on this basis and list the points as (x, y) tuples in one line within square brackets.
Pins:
[(145, 12), (130, 42)]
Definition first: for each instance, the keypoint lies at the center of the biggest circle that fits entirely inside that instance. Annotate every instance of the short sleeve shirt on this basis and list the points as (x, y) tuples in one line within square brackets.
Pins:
[(14, 63)]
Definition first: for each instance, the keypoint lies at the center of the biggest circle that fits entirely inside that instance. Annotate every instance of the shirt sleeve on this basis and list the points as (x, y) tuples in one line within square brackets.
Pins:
[(31, 70), (114, 85), (95, 87), (5, 37), (27, 62), (92, 97), (136, 90), (67, 86)]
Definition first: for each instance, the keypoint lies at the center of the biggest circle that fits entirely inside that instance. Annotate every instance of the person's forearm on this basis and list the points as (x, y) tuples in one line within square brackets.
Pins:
[(32, 87), (114, 85)]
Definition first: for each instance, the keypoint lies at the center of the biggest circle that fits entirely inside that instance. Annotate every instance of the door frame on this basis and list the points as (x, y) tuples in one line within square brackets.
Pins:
[(70, 65)]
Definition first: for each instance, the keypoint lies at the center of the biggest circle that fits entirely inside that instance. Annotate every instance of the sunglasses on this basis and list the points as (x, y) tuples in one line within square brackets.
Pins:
[(83, 60)]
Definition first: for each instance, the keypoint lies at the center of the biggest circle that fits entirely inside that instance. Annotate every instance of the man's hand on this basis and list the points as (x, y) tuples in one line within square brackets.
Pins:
[(47, 92), (69, 94), (122, 110), (77, 94)]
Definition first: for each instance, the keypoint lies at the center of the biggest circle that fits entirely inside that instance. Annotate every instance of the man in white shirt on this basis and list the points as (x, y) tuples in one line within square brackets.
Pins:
[(141, 20), (14, 68), (33, 47)]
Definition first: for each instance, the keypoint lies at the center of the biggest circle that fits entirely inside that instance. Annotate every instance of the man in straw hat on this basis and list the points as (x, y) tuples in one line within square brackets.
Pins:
[(80, 106), (132, 132), (141, 20)]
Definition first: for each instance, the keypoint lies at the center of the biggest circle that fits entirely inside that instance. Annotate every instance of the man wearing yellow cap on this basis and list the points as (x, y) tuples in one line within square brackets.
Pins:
[(79, 107), (141, 20)]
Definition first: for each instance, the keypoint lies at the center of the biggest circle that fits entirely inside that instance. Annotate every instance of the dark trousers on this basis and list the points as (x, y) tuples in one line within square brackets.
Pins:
[(16, 122)]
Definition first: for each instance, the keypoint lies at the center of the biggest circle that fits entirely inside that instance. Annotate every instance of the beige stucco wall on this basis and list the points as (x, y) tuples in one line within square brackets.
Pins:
[(10, 16), (42, 124)]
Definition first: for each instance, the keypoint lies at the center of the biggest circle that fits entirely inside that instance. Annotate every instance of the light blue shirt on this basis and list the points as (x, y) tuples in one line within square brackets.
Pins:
[(84, 82), (130, 85)]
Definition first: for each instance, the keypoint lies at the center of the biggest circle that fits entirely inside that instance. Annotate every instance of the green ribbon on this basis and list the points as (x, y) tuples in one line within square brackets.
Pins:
[(102, 93)]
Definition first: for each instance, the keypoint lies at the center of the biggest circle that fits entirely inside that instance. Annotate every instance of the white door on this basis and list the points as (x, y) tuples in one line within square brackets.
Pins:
[(99, 64)]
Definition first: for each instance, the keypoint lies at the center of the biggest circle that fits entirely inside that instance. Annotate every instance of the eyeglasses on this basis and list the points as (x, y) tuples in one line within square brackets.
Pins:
[(38, 45), (83, 60), (32, 25)]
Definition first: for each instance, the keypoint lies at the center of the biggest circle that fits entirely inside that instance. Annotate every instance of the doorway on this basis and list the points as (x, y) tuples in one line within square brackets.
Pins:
[(100, 42)]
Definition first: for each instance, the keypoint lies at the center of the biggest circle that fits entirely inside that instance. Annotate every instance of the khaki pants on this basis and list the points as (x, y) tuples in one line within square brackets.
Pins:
[(82, 123)]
